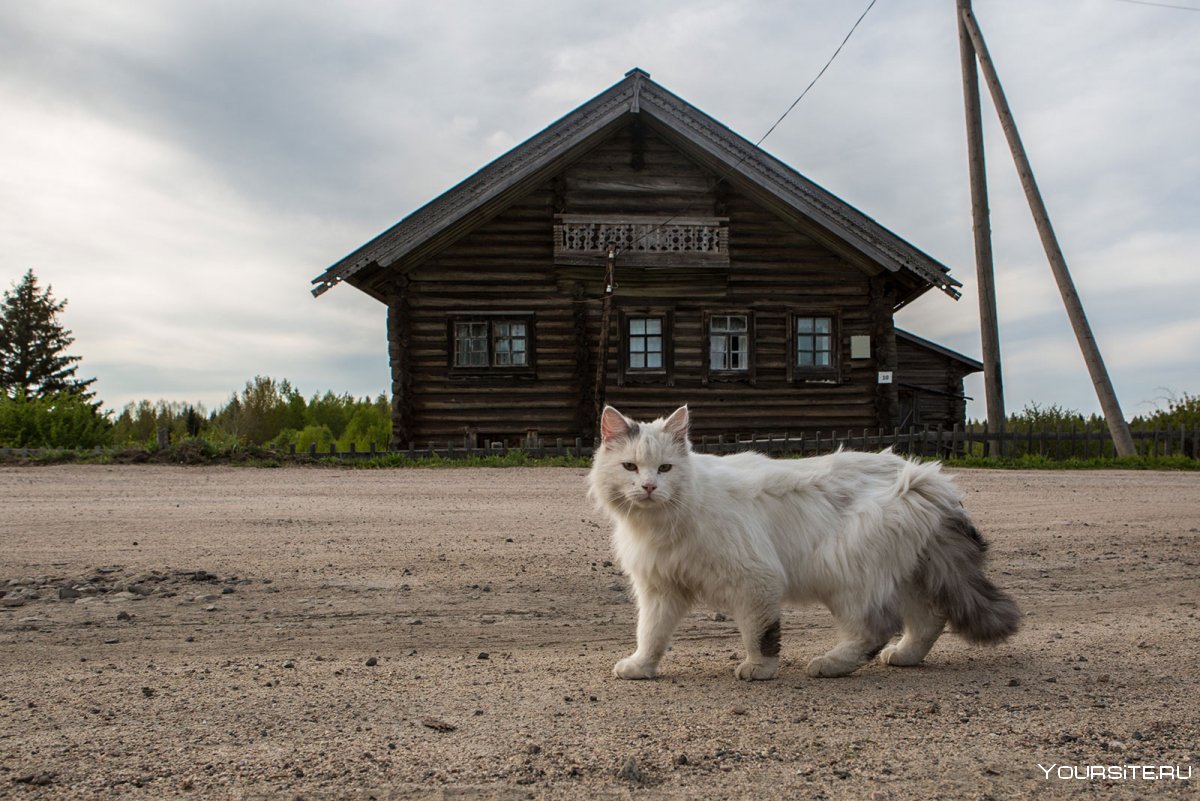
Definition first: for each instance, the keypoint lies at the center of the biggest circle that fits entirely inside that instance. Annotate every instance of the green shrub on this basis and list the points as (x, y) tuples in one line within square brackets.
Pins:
[(368, 425), (318, 435), (61, 420)]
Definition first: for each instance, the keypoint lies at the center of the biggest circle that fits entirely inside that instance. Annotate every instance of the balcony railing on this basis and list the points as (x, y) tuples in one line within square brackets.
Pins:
[(647, 241)]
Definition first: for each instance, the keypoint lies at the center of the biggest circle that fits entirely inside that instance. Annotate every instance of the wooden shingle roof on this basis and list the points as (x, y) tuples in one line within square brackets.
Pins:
[(966, 363), (487, 192)]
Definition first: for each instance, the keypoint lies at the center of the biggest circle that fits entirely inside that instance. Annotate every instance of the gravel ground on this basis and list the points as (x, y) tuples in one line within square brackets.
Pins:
[(319, 633)]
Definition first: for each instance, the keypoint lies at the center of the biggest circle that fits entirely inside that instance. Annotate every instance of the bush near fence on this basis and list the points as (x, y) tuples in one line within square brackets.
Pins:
[(969, 446), (271, 421)]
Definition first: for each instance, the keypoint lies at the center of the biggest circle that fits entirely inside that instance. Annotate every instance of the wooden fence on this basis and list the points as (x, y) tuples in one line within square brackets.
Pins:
[(1083, 442)]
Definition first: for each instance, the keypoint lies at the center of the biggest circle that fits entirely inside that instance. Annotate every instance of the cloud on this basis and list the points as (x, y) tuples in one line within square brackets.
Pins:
[(179, 170)]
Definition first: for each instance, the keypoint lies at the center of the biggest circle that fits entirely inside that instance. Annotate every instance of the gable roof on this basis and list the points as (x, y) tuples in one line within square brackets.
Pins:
[(968, 364), (735, 158)]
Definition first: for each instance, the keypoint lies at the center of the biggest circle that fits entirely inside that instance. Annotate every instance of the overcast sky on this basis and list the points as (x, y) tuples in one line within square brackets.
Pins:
[(179, 171)]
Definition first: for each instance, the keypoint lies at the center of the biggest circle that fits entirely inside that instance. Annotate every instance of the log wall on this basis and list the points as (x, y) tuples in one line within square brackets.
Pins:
[(934, 381), (507, 265)]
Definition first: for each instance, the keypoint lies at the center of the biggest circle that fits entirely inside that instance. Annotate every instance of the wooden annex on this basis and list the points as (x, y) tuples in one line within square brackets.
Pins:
[(735, 285)]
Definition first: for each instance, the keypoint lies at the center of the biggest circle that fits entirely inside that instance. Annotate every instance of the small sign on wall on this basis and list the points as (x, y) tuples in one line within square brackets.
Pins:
[(885, 376), (860, 346)]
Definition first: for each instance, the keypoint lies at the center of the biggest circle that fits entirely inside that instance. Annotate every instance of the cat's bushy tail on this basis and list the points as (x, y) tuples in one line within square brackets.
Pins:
[(952, 569), (953, 577)]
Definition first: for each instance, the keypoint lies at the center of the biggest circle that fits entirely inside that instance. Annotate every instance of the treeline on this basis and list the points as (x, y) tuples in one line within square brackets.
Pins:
[(1172, 413), (274, 415), (266, 413)]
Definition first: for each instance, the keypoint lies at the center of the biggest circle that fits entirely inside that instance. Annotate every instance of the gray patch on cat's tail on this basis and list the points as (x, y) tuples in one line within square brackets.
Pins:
[(769, 642), (953, 577)]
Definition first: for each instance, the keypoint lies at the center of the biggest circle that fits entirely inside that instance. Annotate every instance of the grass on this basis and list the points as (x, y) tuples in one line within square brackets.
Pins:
[(200, 452), (510, 459), (1039, 462)]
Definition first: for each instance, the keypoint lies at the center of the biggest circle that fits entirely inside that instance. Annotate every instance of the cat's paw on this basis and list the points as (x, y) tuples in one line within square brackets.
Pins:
[(892, 655), (758, 671), (630, 668), (827, 667)]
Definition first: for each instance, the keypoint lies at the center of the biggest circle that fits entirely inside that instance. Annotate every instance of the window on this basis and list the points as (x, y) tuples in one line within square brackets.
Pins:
[(509, 344), (645, 343), (813, 350), (491, 344), (729, 343), (645, 355), (470, 344), (814, 342)]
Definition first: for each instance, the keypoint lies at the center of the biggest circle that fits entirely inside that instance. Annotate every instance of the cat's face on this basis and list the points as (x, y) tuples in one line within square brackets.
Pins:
[(641, 465)]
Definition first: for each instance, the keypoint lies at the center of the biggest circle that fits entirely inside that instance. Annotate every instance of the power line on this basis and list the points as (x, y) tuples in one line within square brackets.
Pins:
[(770, 130), (813, 82), (1160, 5)]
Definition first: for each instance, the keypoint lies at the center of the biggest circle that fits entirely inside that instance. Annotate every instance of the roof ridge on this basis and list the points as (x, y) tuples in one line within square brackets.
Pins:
[(636, 93)]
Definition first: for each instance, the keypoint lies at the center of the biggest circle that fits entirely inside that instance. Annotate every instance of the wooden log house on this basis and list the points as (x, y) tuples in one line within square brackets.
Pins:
[(737, 286)]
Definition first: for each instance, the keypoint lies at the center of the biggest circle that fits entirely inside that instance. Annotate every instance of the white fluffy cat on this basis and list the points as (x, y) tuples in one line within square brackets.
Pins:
[(882, 541)]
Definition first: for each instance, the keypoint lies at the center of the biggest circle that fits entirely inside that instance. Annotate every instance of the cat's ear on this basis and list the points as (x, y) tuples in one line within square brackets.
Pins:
[(614, 425), (679, 424)]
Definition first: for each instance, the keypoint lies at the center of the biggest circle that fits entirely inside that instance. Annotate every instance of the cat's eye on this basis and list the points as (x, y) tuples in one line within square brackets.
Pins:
[(630, 466), (664, 468)]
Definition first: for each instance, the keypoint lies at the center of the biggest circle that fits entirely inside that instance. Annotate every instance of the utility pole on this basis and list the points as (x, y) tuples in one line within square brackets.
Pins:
[(1119, 428), (993, 377), (610, 286)]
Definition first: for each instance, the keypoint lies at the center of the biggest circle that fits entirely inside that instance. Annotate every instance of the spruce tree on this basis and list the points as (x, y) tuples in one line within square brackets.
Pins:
[(33, 361)]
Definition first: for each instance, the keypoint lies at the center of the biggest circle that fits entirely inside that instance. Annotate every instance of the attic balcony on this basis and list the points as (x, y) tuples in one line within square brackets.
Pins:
[(584, 240)]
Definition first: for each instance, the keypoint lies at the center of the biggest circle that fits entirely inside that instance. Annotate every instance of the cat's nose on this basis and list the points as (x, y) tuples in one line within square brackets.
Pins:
[(649, 487)]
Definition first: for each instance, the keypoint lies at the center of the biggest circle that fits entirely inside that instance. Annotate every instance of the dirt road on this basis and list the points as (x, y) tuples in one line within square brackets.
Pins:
[(322, 633)]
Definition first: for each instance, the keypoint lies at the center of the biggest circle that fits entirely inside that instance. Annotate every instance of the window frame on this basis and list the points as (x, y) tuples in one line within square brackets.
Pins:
[(492, 319), (749, 373), (801, 373), (647, 375)]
